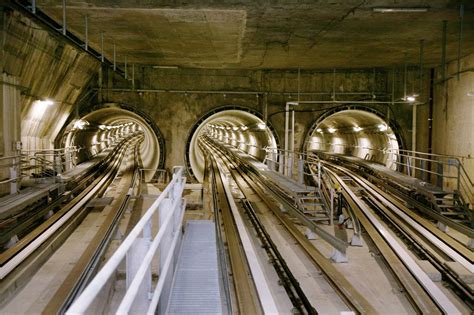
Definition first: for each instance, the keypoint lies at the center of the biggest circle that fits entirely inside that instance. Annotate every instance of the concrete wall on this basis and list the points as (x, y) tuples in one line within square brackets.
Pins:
[(453, 113), (45, 68), (177, 98)]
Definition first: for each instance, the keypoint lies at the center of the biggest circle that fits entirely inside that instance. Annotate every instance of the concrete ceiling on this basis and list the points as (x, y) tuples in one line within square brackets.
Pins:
[(268, 34)]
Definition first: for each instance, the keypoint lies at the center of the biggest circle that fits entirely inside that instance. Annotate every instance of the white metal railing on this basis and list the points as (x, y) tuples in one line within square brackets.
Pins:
[(139, 249)]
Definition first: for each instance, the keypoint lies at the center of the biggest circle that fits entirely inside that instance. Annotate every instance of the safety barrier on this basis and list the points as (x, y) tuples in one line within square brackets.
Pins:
[(139, 249)]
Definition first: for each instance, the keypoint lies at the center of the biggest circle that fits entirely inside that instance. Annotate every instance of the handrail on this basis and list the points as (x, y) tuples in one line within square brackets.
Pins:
[(171, 205)]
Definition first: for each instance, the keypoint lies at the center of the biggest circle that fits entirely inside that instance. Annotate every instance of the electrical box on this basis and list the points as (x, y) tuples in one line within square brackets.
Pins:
[(17, 145)]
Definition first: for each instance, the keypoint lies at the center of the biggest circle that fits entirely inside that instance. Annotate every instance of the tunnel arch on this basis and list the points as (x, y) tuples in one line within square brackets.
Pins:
[(192, 134), (150, 121), (356, 112), (110, 114)]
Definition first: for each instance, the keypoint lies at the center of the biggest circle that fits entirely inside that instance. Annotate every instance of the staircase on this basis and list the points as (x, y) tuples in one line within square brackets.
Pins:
[(313, 205), (453, 206)]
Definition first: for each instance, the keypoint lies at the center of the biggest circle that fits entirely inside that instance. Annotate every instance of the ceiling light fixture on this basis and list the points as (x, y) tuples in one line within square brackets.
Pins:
[(319, 130), (400, 9), (382, 127), (470, 93), (357, 128), (410, 98), (331, 130), (262, 126), (165, 67)]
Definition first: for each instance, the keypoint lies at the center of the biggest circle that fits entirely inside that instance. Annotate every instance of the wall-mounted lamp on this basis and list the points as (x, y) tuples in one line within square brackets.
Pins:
[(400, 9)]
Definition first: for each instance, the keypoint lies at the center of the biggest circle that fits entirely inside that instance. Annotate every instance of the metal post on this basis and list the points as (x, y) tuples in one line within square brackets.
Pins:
[(301, 170), (292, 148), (443, 51), (413, 139), (405, 78), (443, 67), (102, 46), (133, 76), (331, 215), (461, 22), (422, 44), (115, 58), (126, 68), (13, 183), (319, 175), (86, 41), (287, 118), (64, 17), (334, 84)]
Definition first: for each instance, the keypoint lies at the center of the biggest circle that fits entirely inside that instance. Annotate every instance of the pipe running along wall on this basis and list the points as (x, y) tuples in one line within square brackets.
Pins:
[(355, 132), (96, 131), (236, 127)]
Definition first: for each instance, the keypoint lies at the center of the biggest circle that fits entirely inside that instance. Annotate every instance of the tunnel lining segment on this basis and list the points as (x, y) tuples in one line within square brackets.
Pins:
[(390, 122), (210, 113)]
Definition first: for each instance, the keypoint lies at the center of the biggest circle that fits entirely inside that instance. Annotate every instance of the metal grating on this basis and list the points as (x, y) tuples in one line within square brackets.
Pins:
[(196, 287)]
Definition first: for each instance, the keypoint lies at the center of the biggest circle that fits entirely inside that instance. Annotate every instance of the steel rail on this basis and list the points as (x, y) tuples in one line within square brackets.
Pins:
[(88, 262), (243, 285), (290, 206), (14, 256), (419, 205), (341, 285), (422, 291), (438, 238), (291, 285), (8, 254), (417, 241)]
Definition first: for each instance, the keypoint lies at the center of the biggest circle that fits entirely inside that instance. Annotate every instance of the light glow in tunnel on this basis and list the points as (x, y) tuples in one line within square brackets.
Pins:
[(98, 130), (236, 127), (357, 133)]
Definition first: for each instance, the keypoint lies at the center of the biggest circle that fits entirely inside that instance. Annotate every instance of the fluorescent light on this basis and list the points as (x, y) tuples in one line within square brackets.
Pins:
[(80, 124), (45, 102), (382, 127), (39, 108), (262, 126), (357, 128), (400, 9), (411, 98), (331, 130), (319, 130), (165, 67)]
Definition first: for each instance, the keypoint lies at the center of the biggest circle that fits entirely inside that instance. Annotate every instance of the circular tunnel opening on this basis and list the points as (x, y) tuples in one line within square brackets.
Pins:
[(97, 130), (356, 132), (241, 128)]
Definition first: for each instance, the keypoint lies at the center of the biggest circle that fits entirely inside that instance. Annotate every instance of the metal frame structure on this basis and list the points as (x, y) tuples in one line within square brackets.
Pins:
[(139, 249)]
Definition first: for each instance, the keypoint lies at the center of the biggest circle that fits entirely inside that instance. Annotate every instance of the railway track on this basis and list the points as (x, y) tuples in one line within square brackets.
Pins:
[(429, 242), (89, 262), (244, 177), (20, 262), (425, 295)]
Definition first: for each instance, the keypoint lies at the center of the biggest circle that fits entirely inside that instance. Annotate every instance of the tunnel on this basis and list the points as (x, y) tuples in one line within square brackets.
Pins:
[(238, 127), (357, 132), (96, 131)]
